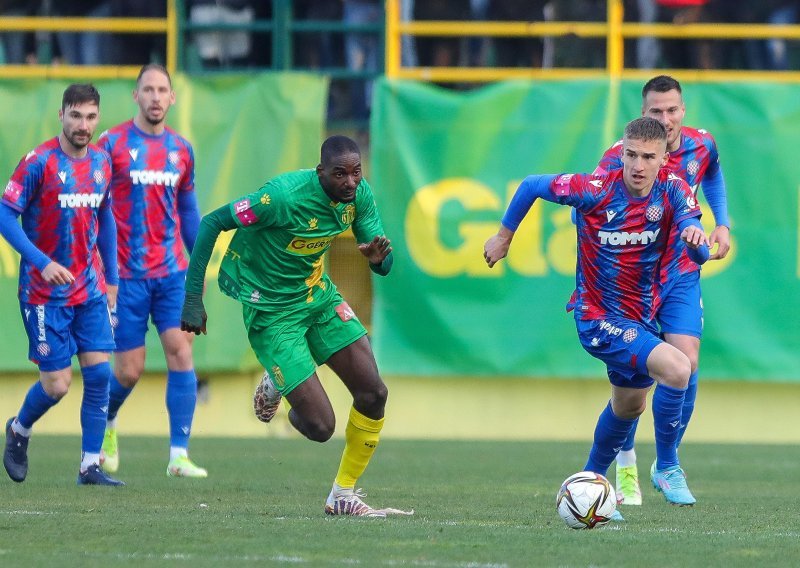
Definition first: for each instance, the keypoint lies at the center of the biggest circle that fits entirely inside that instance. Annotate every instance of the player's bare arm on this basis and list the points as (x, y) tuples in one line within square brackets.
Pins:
[(56, 275), (496, 247), (376, 250), (720, 236), (111, 295)]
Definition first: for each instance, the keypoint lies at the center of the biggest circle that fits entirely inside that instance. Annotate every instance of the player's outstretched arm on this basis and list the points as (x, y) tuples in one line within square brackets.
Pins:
[(193, 315), (496, 248)]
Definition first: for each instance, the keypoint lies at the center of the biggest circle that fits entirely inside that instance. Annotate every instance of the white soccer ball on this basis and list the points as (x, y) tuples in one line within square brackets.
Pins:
[(586, 500)]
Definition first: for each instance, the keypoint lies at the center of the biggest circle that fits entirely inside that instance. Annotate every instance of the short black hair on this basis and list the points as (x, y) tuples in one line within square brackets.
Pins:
[(153, 67), (661, 84), (336, 146), (78, 94), (645, 128)]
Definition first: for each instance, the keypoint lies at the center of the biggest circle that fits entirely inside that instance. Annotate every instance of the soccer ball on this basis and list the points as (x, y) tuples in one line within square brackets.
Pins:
[(586, 500)]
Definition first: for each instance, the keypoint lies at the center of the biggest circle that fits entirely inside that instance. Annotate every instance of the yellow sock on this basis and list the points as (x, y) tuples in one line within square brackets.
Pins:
[(361, 438)]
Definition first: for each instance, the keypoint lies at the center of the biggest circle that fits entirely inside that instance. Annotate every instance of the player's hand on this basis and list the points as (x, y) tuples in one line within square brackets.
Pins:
[(112, 290), (694, 237), (56, 275), (193, 316), (722, 237), (376, 250), (496, 247)]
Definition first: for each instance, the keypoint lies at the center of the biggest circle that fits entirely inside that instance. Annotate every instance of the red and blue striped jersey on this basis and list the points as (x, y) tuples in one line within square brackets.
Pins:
[(696, 157), (621, 240), (148, 172), (58, 197)]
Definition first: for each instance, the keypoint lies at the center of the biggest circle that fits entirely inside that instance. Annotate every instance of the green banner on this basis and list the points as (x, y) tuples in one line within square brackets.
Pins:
[(244, 130), (445, 164)]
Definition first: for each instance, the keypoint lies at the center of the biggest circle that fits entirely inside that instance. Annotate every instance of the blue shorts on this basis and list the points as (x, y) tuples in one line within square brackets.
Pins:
[(139, 299), (623, 345), (681, 310), (56, 333)]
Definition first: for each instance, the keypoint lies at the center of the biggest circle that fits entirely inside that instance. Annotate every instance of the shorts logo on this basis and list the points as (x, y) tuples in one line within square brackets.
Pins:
[(345, 312), (41, 330), (629, 335), (43, 349), (255, 296), (654, 213), (610, 328), (277, 376)]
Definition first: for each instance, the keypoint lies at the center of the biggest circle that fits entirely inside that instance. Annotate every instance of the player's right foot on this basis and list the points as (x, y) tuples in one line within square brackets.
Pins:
[(347, 501), (266, 399), (628, 490), (672, 483), (109, 453), (96, 476), (182, 466), (15, 456)]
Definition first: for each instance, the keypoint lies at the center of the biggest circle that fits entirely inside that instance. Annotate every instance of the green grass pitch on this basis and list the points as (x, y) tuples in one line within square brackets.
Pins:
[(478, 504)]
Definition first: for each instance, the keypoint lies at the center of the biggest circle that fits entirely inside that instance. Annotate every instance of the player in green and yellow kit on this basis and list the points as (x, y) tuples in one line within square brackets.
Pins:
[(294, 316)]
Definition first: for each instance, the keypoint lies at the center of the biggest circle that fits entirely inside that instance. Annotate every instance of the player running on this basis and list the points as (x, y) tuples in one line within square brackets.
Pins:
[(295, 317), (155, 207), (67, 277), (693, 157), (624, 218)]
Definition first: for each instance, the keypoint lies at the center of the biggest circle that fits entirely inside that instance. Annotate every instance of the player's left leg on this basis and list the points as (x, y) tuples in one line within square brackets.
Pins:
[(181, 397), (340, 340), (94, 339)]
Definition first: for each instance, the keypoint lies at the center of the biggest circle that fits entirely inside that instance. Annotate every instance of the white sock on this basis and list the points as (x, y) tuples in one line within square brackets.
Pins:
[(111, 424), (626, 458), (177, 452), (88, 459), (20, 429)]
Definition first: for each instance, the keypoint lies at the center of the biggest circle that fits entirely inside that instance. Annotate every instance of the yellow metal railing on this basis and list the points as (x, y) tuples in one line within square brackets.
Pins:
[(168, 26), (614, 31)]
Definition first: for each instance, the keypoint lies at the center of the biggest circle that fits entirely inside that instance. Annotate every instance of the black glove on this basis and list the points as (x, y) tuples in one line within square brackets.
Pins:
[(193, 316)]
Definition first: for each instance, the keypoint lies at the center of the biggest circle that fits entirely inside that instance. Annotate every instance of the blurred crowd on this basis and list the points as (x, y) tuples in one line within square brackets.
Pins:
[(360, 52)]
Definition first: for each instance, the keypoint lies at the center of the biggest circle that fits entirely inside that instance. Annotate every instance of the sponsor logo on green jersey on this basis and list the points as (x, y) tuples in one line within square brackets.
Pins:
[(302, 245)]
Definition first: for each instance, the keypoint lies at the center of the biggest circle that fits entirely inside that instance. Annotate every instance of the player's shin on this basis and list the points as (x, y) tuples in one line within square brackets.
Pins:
[(667, 408), (94, 411), (609, 435), (688, 405), (117, 396), (361, 439), (36, 403), (181, 401)]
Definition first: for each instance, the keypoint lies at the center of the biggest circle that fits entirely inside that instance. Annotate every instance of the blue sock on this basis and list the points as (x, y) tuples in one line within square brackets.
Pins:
[(628, 445), (688, 405), (181, 400), (116, 396), (609, 435), (667, 407), (36, 403), (93, 407)]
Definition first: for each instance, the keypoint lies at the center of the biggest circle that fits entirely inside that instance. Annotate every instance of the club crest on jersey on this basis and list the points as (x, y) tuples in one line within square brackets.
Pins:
[(629, 335), (98, 176), (654, 213), (173, 157), (349, 214), (693, 167)]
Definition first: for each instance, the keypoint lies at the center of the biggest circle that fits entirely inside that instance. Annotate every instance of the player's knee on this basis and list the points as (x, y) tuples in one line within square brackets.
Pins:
[(57, 389), (373, 400), (128, 375), (678, 374), (319, 430)]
